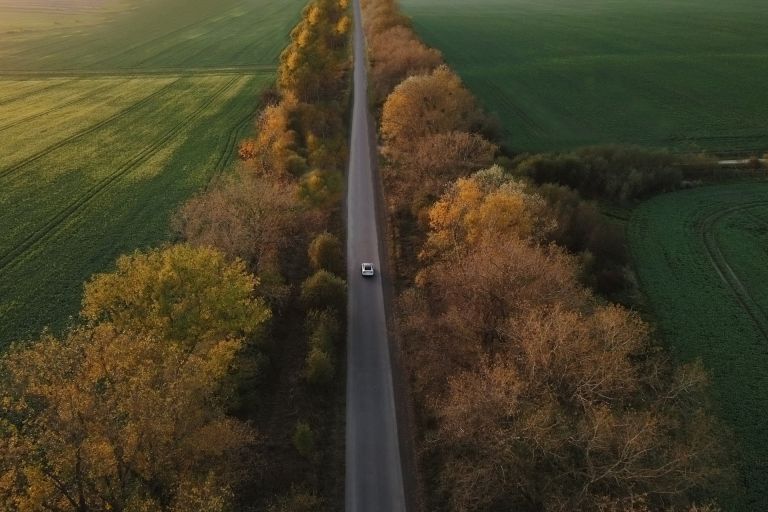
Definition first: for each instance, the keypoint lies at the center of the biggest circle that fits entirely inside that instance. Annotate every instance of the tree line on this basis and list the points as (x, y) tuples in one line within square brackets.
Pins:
[(531, 391), (139, 405)]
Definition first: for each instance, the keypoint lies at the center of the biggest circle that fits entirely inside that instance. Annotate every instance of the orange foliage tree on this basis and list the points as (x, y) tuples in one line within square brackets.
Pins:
[(543, 398), (128, 412)]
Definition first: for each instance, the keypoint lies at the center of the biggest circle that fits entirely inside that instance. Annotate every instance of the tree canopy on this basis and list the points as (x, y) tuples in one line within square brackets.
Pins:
[(183, 294)]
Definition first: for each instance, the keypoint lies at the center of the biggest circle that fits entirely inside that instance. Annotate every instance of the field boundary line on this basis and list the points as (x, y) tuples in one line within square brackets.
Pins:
[(49, 227), (57, 145), (724, 269)]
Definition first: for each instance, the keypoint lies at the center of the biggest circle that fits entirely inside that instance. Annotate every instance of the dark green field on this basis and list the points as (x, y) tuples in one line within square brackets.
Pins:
[(686, 74), (701, 257), (111, 114)]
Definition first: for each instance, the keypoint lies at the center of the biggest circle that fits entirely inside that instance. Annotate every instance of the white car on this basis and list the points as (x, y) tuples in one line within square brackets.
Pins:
[(367, 269)]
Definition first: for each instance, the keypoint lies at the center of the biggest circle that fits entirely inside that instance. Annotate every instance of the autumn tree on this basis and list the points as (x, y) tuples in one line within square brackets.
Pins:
[(543, 398), (275, 143), (380, 15), (188, 295), (487, 205), (105, 419), (254, 218), (563, 415), (419, 174), (426, 105), (313, 64), (299, 500), (397, 54), (583, 229)]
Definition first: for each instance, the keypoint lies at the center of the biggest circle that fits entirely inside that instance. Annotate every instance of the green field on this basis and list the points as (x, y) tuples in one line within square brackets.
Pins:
[(684, 74), (111, 114), (701, 258)]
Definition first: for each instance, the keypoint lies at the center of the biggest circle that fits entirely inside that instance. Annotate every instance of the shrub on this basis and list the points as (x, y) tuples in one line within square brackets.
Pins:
[(321, 188), (581, 227), (324, 290), (298, 500), (296, 165), (324, 319), (304, 439), (615, 173), (325, 253), (319, 370)]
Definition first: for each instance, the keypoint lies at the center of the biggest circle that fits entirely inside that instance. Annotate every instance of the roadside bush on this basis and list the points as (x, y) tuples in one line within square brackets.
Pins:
[(324, 290), (321, 189), (327, 321), (298, 500), (319, 367), (296, 165), (304, 439), (325, 333), (326, 253)]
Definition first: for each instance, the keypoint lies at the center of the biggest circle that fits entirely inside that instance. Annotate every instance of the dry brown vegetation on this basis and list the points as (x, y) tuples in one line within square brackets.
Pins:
[(531, 393)]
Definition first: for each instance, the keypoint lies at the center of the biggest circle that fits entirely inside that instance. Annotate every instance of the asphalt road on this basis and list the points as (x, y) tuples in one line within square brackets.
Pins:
[(374, 477)]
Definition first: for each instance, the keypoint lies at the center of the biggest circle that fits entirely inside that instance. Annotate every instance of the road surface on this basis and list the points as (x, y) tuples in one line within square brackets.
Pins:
[(374, 477)]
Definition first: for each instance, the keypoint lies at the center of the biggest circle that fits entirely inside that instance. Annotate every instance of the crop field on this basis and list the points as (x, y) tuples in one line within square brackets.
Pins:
[(700, 256), (683, 74), (111, 114)]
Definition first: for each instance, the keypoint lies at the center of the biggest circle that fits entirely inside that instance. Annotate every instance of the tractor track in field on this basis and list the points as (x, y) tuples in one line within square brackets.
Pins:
[(724, 269), (132, 72), (25, 95), (104, 122), (50, 227), (518, 111), (227, 154), (67, 103)]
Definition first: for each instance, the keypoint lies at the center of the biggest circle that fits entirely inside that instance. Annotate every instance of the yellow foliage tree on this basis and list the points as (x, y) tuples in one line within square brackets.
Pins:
[(189, 295), (109, 420)]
